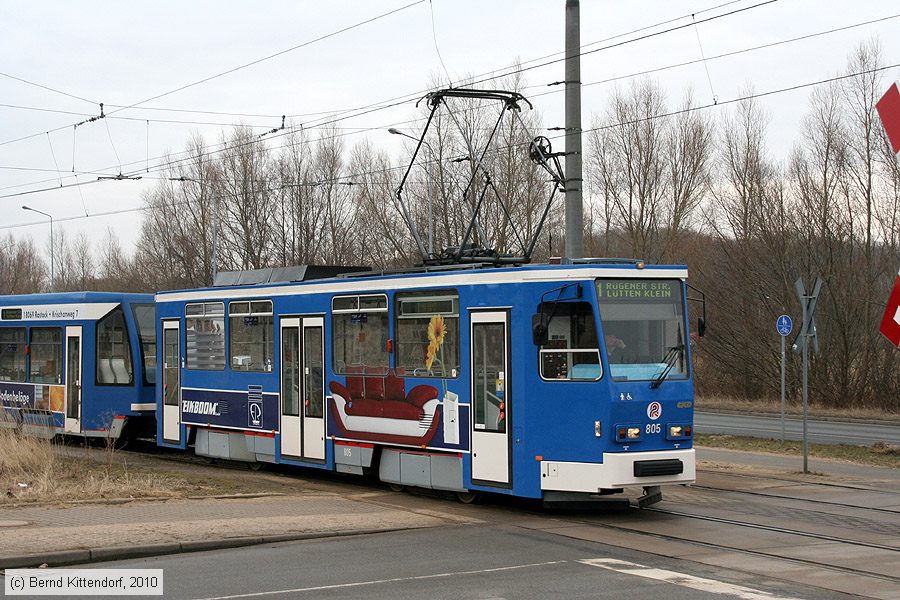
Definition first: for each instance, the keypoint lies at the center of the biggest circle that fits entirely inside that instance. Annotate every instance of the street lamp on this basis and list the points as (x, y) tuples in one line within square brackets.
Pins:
[(51, 241), (395, 131)]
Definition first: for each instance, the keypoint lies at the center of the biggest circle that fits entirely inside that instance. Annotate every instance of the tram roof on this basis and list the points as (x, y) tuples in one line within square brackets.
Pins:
[(444, 276), (73, 297)]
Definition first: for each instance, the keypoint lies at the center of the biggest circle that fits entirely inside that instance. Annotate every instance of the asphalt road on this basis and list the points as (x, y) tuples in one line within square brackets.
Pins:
[(480, 561), (820, 432)]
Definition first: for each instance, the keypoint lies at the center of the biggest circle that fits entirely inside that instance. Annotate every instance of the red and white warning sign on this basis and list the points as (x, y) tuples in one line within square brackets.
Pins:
[(889, 111), (890, 324)]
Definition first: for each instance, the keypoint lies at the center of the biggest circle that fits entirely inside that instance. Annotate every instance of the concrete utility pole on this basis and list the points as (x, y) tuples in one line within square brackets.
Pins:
[(574, 206)]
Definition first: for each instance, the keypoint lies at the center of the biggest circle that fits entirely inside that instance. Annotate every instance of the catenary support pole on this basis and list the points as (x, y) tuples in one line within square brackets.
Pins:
[(574, 206)]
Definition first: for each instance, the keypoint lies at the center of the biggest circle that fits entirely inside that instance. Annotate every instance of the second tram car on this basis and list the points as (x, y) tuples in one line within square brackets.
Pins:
[(78, 363), (541, 381)]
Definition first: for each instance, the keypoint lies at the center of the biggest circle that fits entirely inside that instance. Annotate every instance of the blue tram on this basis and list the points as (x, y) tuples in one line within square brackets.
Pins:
[(79, 363), (557, 382)]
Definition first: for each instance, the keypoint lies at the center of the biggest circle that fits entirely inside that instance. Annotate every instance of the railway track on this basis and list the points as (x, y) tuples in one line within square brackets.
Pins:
[(799, 499), (747, 551), (776, 529)]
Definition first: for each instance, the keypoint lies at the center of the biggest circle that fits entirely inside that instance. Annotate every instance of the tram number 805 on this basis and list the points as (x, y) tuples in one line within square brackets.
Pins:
[(653, 428)]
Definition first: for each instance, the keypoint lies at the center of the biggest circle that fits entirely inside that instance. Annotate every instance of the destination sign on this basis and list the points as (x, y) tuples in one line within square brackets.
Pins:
[(58, 312), (631, 289)]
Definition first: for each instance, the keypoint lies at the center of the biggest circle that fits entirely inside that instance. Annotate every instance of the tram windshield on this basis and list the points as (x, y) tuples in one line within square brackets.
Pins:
[(644, 328)]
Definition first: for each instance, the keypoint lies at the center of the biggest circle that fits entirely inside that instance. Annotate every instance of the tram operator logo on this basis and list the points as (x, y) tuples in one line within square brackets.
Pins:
[(654, 411)]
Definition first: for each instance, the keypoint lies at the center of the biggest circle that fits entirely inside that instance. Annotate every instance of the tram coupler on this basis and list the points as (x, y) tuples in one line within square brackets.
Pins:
[(652, 495)]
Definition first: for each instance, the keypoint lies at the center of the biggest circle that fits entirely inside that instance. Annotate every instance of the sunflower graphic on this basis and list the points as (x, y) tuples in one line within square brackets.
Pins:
[(437, 330), (430, 354)]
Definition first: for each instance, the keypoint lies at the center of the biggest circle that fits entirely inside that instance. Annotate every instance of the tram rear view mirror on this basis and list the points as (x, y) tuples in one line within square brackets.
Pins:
[(701, 326), (540, 327)]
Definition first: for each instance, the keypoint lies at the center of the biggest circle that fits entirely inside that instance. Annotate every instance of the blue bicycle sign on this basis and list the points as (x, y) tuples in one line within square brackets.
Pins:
[(784, 325)]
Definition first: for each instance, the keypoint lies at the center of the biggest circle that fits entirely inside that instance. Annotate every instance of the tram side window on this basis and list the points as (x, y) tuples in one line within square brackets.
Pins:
[(204, 336), (12, 354), (572, 352), (145, 317), (114, 366), (360, 334), (45, 348), (251, 331), (427, 334)]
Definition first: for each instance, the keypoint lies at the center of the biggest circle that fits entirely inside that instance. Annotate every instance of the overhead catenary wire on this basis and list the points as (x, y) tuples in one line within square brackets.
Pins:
[(142, 120), (47, 87), (406, 99), (409, 98), (240, 67), (730, 53), (808, 36), (376, 106), (53, 154), (436, 48), (113, 144), (422, 92), (634, 74), (705, 64), (382, 106), (686, 110), (274, 55)]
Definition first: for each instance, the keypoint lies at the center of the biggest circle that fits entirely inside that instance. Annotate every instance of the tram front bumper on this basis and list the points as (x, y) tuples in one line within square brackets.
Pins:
[(619, 470)]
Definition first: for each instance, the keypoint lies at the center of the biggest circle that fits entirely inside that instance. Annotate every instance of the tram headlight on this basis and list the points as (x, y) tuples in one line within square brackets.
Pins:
[(678, 431), (628, 433)]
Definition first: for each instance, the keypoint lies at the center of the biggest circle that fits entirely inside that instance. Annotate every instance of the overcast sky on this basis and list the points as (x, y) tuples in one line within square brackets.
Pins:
[(121, 53)]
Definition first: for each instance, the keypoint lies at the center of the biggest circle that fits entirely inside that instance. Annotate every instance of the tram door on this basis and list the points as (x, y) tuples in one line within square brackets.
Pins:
[(490, 397), (291, 422), (171, 382), (302, 388), (73, 379), (313, 389)]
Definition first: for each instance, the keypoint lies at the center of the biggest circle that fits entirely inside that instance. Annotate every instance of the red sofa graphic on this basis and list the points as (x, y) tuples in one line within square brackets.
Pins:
[(373, 405)]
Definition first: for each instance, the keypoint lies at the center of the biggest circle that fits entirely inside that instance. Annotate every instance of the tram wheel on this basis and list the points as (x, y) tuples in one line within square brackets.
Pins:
[(396, 487), (255, 466), (468, 497)]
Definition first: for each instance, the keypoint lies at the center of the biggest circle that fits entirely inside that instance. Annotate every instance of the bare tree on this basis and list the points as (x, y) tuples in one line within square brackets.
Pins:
[(649, 171), (21, 269), (246, 201)]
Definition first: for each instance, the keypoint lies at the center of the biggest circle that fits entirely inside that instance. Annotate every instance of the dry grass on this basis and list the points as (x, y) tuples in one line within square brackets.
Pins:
[(40, 470), (886, 449), (773, 407)]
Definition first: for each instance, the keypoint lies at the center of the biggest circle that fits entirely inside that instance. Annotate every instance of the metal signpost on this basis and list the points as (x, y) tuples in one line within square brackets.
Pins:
[(784, 325), (806, 335)]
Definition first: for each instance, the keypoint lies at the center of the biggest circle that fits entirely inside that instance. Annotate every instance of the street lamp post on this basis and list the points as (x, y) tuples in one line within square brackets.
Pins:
[(396, 131), (52, 261)]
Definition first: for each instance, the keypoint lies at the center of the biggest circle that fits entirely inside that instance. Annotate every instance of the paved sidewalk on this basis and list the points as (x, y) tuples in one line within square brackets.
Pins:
[(160, 527)]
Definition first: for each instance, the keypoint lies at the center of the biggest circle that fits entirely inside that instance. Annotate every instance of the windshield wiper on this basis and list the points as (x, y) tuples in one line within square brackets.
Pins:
[(669, 359)]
